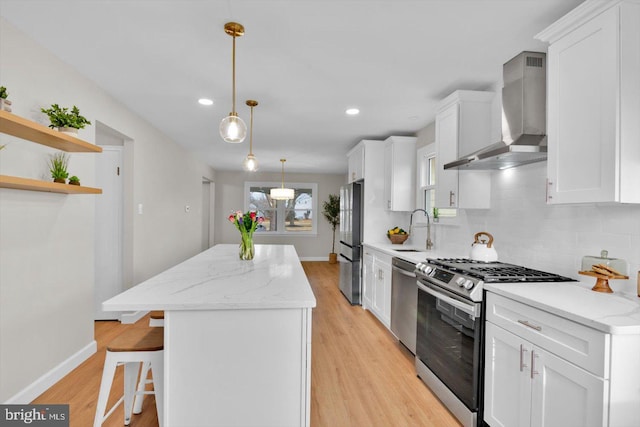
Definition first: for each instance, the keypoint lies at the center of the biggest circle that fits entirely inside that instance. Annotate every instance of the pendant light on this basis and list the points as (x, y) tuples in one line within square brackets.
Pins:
[(232, 127), (250, 163), (282, 193)]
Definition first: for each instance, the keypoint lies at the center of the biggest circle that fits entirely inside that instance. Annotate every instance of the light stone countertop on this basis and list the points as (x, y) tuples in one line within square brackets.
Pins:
[(217, 279), (415, 257), (616, 313)]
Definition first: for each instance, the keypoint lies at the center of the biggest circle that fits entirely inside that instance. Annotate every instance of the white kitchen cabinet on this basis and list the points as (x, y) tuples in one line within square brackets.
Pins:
[(463, 125), (528, 386), (377, 282), (355, 160), (543, 370), (368, 279), (400, 173), (594, 104)]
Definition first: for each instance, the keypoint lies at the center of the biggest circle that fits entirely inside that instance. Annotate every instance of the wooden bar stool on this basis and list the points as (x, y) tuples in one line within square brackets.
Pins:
[(131, 348), (156, 319)]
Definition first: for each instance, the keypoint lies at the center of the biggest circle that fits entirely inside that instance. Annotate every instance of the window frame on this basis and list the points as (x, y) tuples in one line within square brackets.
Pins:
[(281, 209)]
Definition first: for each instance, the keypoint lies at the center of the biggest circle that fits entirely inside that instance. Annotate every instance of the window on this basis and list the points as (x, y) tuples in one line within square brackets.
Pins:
[(296, 217), (427, 181)]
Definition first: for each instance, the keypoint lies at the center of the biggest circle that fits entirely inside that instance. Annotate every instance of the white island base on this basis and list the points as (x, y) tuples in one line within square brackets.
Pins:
[(238, 367), (237, 337)]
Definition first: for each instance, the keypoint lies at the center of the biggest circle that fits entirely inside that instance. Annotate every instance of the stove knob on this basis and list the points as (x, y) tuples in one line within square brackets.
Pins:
[(427, 269), (468, 284), (460, 281)]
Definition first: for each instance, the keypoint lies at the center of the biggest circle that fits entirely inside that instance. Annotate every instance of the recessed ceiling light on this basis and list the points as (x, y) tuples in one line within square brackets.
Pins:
[(352, 112), (205, 101)]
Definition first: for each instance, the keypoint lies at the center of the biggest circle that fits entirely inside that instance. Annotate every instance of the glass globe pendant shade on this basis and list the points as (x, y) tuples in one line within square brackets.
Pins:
[(250, 163), (233, 129)]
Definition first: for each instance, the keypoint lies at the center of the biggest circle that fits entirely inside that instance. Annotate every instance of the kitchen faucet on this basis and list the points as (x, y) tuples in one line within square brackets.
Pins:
[(429, 242)]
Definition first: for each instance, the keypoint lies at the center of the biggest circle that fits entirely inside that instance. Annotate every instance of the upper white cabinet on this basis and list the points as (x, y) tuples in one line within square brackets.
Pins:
[(355, 159), (400, 173), (594, 104), (463, 125)]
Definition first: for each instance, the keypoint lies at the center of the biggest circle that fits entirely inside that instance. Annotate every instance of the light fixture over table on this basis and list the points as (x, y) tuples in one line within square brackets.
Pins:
[(232, 128), (282, 193), (250, 163)]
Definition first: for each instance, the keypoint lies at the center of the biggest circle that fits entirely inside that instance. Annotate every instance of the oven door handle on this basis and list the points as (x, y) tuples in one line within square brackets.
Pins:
[(471, 310)]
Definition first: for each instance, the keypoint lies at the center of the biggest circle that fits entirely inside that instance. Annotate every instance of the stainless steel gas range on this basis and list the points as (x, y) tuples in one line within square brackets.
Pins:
[(449, 344)]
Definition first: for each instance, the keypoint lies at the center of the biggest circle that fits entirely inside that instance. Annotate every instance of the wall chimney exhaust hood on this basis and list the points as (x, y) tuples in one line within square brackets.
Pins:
[(524, 100)]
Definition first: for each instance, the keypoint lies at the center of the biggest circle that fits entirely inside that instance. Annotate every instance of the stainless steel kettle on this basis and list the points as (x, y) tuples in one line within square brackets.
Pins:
[(482, 249)]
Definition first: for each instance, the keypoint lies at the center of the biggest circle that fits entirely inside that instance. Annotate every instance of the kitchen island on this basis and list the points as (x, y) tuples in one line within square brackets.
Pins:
[(237, 337)]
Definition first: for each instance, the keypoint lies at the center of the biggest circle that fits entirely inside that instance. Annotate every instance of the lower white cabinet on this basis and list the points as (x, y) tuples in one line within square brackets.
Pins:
[(368, 278), (528, 386), (542, 369), (377, 284)]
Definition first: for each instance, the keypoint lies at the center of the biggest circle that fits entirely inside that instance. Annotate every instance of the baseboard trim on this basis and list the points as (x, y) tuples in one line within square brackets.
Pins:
[(42, 384), (132, 317)]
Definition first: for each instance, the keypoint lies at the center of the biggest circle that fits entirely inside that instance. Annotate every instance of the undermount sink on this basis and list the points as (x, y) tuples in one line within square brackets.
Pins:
[(407, 250)]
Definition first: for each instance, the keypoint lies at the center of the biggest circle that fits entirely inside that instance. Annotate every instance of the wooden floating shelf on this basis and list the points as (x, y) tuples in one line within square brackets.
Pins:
[(26, 129), (46, 186)]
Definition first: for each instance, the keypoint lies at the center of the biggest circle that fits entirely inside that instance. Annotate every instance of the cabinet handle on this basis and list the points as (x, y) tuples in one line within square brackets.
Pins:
[(534, 356), (452, 198), (526, 323), (522, 358)]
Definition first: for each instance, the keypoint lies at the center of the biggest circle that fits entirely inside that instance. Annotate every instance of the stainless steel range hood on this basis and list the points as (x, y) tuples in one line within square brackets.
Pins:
[(524, 99)]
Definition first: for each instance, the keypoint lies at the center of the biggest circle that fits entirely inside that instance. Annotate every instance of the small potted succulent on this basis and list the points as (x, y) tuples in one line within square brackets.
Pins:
[(64, 120), (5, 104), (74, 180), (58, 167)]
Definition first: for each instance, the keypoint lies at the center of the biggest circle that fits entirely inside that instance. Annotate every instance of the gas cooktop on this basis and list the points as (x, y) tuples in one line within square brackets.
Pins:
[(465, 277), (496, 272)]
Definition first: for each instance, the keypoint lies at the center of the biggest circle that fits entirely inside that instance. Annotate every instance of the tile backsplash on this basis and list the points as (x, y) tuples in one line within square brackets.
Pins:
[(553, 238)]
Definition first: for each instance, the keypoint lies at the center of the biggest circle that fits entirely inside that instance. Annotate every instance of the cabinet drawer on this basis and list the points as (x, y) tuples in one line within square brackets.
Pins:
[(579, 344)]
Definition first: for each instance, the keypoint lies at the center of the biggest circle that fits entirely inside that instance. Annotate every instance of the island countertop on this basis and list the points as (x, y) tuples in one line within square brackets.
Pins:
[(216, 279)]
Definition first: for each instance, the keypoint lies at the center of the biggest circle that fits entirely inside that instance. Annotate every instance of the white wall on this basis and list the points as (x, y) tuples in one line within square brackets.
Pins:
[(548, 237), (230, 198), (46, 244), (529, 232)]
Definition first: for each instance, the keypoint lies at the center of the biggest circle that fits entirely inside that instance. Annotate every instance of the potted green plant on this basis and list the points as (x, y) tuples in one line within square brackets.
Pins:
[(74, 180), (58, 166), (436, 215), (64, 120), (4, 102), (331, 211)]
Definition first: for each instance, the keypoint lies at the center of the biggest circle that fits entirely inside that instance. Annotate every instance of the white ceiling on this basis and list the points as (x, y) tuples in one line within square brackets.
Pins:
[(304, 61)]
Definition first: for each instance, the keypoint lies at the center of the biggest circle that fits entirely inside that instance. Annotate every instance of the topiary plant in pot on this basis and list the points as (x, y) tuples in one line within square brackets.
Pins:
[(74, 180), (331, 211), (58, 167), (66, 121)]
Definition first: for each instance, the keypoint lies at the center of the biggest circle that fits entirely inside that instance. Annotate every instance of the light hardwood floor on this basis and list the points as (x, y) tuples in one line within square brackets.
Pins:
[(360, 375)]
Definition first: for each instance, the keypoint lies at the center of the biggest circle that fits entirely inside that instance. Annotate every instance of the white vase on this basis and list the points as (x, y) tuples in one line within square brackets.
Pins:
[(68, 131)]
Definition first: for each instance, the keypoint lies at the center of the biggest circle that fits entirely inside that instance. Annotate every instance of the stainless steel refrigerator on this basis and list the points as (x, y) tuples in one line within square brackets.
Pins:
[(350, 241)]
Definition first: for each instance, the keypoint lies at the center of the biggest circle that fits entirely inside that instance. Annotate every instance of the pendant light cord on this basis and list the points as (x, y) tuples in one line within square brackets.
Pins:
[(251, 133), (282, 160), (233, 78)]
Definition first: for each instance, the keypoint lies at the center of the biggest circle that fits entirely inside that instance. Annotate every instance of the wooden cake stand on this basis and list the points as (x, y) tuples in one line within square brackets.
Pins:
[(602, 282)]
